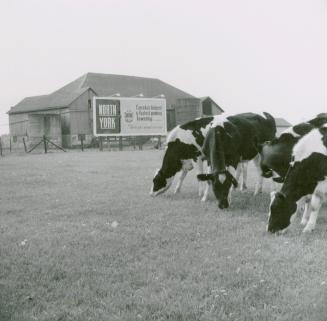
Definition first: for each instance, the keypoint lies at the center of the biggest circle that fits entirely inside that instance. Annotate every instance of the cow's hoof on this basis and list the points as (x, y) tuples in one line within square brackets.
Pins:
[(243, 188), (303, 222), (203, 199)]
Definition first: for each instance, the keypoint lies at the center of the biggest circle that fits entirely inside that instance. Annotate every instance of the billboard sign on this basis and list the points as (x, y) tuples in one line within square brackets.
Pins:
[(129, 116)]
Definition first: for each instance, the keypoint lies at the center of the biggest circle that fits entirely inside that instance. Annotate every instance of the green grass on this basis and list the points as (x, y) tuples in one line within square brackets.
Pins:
[(169, 258)]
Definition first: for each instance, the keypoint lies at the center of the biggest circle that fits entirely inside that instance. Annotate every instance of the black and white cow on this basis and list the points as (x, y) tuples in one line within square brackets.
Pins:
[(184, 145), (276, 154), (184, 149), (229, 141), (307, 175)]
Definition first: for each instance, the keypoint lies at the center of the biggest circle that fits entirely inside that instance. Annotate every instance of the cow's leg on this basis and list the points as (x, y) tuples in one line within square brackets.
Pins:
[(186, 166), (299, 209), (238, 172), (258, 186), (180, 181), (245, 175), (207, 186), (241, 172), (201, 185), (318, 197), (315, 205), (306, 210), (232, 170)]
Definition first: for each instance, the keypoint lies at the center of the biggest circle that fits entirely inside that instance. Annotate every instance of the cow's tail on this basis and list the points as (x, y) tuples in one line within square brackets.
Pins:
[(271, 124)]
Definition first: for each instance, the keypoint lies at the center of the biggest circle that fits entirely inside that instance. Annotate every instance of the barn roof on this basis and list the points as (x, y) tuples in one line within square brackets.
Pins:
[(281, 122), (58, 99), (102, 85)]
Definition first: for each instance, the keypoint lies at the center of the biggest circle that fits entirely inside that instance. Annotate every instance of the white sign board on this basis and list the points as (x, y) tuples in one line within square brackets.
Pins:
[(129, 116)]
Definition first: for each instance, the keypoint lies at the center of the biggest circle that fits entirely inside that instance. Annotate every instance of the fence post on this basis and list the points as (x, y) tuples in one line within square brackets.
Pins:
[(82, 143), (10, 144), (120, 143), (24, 145), (140, 142), (0, 147), (100, 143), (159, 142), (108, 143), (45, 144)]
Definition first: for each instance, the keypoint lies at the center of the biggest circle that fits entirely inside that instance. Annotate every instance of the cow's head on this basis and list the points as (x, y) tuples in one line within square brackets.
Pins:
[(172, 163), (281, 211), (160, 183), (275, 155), (221, 184)]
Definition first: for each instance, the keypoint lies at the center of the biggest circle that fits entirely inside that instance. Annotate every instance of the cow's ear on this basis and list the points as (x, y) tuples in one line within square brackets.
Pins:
[(278, 179), (205, 177)]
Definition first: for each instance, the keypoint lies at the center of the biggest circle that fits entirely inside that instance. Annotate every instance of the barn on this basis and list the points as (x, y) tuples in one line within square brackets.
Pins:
[(281, 125), (66, 113)]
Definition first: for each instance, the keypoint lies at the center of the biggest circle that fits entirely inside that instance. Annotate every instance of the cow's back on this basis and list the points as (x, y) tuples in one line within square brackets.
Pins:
[(254, 129)]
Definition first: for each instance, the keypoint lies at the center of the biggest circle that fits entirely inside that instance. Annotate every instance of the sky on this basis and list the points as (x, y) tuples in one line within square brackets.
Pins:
[(248, 55)]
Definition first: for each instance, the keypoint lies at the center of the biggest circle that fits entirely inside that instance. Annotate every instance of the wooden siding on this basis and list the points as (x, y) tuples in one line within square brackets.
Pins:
[(81, 114), (44, 124), (18, 124), (187, 109)]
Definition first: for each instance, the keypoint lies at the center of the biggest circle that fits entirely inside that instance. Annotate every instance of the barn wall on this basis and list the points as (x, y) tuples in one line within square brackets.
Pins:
[(171, 119), (187, 109), (44, 124), (65, 128), (215, 109), (18, 124), (81, 118), (35, 127), (207, 107)]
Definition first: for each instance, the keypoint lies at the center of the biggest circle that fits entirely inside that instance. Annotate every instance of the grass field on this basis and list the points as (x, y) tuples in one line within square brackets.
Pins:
[(80, 239)]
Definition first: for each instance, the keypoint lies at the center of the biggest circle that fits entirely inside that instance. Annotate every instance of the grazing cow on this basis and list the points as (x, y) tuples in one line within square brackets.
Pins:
[(306, 175), (276, 154), (230, 141), (184, 147)]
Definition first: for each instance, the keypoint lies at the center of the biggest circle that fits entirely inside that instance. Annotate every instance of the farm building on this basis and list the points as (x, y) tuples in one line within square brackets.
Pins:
[(67, 112), (281, 125), (209, 107)]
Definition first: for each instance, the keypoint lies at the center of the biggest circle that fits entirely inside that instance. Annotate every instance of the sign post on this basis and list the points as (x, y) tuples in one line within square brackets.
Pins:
[(129, 116)]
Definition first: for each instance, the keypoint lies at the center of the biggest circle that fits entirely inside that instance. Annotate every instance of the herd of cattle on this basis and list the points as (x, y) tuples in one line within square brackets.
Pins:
[(297, 159)]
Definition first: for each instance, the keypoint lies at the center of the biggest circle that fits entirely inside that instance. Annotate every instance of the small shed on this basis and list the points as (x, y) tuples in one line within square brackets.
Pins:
[(209, 107), (187, 109)]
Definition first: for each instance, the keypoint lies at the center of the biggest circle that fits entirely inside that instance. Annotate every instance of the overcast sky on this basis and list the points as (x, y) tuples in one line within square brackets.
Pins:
[(248, 55)]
